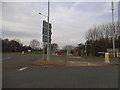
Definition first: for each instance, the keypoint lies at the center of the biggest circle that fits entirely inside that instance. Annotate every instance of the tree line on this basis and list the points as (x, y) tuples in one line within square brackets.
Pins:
[(14, 45), (98, 39)]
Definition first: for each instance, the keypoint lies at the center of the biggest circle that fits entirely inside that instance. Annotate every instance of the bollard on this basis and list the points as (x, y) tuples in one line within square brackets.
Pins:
[(107, 57), (22, 52), (118, 55)]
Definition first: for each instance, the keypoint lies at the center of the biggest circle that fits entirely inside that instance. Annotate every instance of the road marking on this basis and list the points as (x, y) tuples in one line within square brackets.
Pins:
[(22, 68)]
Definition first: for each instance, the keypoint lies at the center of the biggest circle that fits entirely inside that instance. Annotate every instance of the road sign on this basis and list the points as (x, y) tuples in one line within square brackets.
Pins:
[(45, 38), (46, 23), (45, 32)]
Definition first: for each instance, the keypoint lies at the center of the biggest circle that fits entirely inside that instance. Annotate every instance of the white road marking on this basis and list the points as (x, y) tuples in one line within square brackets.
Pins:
[(22, 68)]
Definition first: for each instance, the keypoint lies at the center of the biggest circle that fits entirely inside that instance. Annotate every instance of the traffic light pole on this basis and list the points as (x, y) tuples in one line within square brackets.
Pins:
[(48, 45)]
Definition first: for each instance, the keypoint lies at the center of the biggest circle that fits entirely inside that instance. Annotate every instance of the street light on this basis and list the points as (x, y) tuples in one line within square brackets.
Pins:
[(42, 14), (48, 46), (112, 4), (43, 42)]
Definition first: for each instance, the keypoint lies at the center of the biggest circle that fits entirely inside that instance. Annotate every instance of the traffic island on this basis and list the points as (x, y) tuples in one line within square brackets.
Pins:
[(63, 63), (44, 62), (83, 63)]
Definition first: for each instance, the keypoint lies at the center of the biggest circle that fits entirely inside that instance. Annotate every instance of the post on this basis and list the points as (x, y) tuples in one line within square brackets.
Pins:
[(107, 58), (22, 52), (67, 50), (113, 29), (85, 49), (43, 50), (48, 46)]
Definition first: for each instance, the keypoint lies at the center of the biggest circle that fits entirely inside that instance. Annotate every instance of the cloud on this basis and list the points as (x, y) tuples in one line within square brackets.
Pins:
[(59, 0), (72, 24), (70, 20)]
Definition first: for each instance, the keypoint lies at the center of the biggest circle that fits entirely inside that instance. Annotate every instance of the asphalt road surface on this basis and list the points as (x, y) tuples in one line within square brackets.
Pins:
[(19, 73)]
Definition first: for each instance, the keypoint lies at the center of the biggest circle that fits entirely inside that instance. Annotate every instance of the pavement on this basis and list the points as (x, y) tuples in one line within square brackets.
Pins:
[(18, 72)]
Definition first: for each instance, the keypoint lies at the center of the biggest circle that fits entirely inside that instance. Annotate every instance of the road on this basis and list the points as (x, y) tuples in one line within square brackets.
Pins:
[(19, 73)]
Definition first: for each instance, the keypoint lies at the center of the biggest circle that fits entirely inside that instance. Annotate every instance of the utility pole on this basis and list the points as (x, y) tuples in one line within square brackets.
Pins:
[(85, 49), (48, 44), (46, 39), (112, 4)]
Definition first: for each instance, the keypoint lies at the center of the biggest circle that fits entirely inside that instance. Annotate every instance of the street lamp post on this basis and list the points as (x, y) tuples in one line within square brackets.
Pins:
[(85, 50), (43, 42), (48, 44), (113, 29)]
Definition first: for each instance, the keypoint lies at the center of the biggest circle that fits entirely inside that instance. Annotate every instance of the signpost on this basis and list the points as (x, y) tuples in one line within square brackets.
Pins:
[(46, 38), (45, 32)]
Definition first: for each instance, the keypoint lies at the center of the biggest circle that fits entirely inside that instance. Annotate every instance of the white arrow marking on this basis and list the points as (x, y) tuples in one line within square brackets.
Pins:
[(22, 68)]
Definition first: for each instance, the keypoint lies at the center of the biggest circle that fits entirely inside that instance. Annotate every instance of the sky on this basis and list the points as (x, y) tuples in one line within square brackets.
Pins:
[(70, 20)]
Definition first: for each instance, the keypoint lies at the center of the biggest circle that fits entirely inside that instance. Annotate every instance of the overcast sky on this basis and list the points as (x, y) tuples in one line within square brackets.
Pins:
[(70, 20)]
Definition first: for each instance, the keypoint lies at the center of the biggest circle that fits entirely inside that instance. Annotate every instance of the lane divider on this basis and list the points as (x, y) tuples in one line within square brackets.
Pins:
[(21, 69)]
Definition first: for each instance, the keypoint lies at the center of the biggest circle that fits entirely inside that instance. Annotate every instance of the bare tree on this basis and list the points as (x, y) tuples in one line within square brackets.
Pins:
[(117, 28), (35, 44), (68, 47), (54, 47), (102, 31), (101, 36), (93, 34)]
